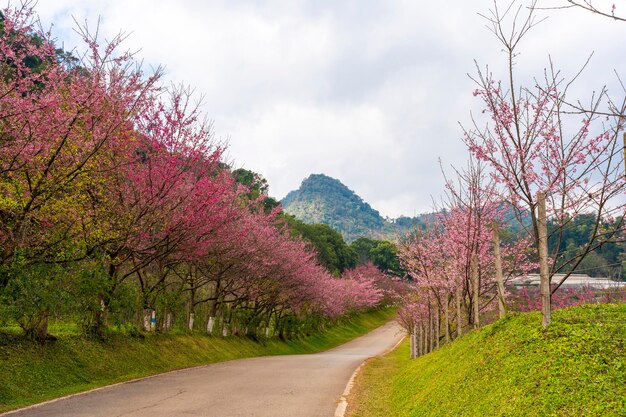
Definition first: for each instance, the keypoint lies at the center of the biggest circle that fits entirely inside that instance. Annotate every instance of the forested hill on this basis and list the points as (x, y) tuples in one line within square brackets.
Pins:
[(322, 199)]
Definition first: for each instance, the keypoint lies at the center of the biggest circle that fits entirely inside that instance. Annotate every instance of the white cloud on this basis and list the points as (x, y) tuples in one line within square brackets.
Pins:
[(370, 92)]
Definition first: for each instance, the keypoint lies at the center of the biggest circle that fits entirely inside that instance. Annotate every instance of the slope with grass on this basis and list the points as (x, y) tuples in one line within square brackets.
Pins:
[(30, 373), (576, 367)]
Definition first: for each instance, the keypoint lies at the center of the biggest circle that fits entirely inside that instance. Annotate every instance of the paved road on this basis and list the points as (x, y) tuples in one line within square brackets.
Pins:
[(277, 386)]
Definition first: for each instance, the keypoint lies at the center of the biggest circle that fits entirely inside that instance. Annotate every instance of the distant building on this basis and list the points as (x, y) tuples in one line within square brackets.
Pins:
[(573, 281)]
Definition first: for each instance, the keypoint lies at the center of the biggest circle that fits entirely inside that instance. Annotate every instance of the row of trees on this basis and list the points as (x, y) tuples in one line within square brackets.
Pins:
[(116, 206), (458, 264), (540, 155)]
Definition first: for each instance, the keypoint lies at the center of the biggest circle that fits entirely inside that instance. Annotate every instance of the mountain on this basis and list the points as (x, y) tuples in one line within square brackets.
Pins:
[(322, 199)]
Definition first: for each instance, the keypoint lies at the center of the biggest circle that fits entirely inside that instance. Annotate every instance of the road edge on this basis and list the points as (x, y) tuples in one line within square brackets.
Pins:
[(342, 405), (130, 381)]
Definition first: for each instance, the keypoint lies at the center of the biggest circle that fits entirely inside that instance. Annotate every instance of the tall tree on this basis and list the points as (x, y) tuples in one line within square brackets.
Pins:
[(536, 142)]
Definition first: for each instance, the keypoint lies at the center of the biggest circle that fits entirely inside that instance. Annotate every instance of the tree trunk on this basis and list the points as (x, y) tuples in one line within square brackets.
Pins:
[(437, 325), (210, 325), (431, 328), (412, 341), (190, 321), (418, 341), (544, 272), (226, 323), (104, 306), (167, 323), (459, 321), (476, 284), (213, 309), (42, 331), (100, 317), (498, 265), (447, 318), (192, 301), (147, 314)]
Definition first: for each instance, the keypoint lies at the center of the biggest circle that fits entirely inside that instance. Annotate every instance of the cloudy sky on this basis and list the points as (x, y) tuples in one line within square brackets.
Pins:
[(369, 92)]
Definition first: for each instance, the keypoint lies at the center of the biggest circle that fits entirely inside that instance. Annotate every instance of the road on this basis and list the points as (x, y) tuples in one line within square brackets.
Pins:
[(275, 386)]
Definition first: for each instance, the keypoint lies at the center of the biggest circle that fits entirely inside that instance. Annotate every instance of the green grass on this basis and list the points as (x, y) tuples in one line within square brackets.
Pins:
[(30, 373), (576, 367)]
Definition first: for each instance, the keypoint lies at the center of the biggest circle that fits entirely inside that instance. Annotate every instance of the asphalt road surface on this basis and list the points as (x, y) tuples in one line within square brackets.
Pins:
[(276, 386)]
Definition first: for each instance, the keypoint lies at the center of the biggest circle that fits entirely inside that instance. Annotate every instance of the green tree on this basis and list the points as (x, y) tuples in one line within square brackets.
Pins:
[(382, 253), (333, 252), (362, 247), (257, 186)]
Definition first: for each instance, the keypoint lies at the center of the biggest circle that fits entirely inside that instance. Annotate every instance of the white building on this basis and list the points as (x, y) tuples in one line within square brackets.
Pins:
[(573, 281)]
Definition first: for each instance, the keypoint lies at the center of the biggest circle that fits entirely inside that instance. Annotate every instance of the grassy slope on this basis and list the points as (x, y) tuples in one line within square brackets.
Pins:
[(30, 373), (576, 367)]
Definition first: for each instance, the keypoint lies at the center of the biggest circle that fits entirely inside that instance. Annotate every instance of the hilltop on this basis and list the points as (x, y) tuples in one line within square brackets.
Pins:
[(326, 200)]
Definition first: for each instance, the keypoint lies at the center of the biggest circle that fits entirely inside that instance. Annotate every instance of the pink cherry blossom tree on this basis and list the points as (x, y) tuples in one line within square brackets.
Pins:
[(452, 259), (56, 121), (105, 171), (536, 142)]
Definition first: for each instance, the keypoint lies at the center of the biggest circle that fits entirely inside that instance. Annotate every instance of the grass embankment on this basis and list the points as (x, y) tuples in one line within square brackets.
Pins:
[(576, 367), (30, 373)]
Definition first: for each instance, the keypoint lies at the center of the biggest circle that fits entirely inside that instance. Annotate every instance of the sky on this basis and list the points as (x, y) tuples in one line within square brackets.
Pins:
[(373, 93)]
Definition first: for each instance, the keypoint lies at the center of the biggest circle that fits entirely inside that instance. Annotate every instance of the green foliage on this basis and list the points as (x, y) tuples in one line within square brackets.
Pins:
[(257, 185), (385, 257), (408, 223), (270, 203), (382, 253), (609, 260), (30, 373), (332, 250), (32, 293), (362, 247), (255, 182), (576, 367)]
